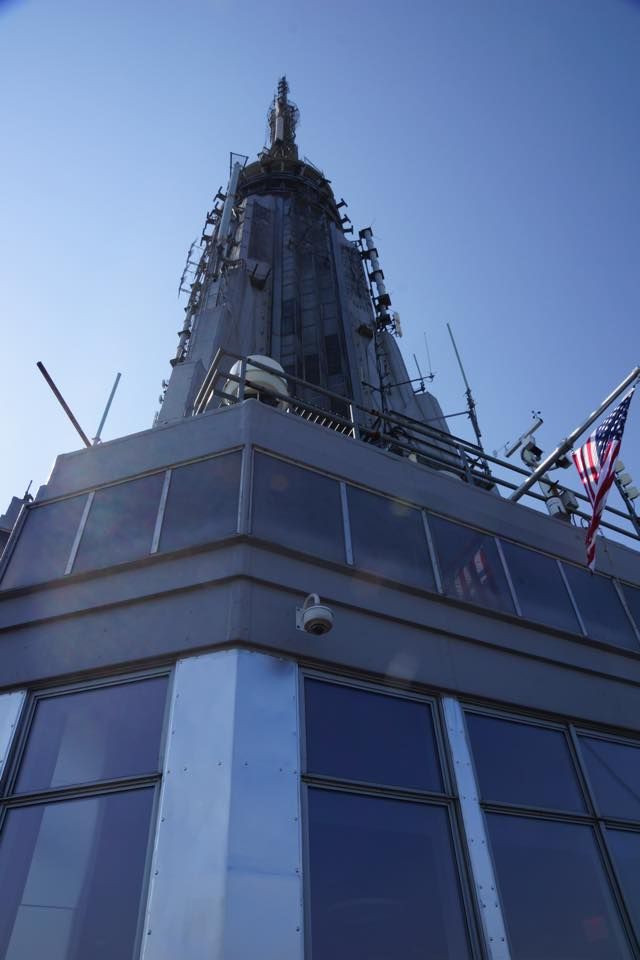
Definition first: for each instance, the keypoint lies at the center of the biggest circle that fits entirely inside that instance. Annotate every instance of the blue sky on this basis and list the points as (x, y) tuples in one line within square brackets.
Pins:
[(492, 144)]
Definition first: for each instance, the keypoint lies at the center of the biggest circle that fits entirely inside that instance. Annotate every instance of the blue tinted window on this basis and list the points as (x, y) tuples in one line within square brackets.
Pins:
[(44, 545), (470, 565), (298, 508), (554, 890), (614, 774), (632, 596), (599, 604), (71, 875), (383, 880), (120, 523), (388, 538), (202, 503), (92, 735), (540, 588), (625, 852), (522, 764), (357, 735)]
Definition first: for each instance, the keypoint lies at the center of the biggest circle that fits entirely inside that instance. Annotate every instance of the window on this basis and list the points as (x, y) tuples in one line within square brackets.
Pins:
[(523, 764), (557, 900), (384, 878), (632, 596), (202, 503), (44, 544), (540, 588), (599, 604), (297, 507), (354, 734), (388, 538), (554, 865), (76, 818), (470, 565), (614, 774), (120, 523)]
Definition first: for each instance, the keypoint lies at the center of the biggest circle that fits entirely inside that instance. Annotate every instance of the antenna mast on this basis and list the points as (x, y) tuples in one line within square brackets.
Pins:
[(471, 404)]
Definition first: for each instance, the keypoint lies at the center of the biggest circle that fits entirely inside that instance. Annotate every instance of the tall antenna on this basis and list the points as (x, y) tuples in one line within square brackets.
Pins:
[(471, 404), (431, 375)]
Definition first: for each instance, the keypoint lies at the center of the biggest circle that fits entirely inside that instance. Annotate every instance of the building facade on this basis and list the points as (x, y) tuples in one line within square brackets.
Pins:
[(451, 772)]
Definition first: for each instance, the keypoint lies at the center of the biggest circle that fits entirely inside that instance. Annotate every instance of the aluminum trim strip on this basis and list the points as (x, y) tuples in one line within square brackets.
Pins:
[(79, 532), (483, 875), (157, 530), (11, 705)]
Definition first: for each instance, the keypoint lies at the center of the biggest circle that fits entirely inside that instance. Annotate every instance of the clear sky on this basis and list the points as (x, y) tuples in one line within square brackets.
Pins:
[(492, 144)]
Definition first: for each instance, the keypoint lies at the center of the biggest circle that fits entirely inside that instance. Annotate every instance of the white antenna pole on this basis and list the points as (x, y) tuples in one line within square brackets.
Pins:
[(471, 404), (566, 444), (96, 439)]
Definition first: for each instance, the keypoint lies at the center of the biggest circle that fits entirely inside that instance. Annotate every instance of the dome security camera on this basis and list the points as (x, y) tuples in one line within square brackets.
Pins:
[(314, 617)]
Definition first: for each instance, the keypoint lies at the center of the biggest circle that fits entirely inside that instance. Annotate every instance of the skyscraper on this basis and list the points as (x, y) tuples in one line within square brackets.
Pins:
[(287, 675)]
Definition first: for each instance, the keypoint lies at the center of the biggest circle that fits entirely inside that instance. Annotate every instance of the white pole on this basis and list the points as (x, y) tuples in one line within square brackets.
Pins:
[(571, 439)]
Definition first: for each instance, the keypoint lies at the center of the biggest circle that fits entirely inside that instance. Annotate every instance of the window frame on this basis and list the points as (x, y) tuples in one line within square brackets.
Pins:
[(9, 800), (592, 818), (447, 799)]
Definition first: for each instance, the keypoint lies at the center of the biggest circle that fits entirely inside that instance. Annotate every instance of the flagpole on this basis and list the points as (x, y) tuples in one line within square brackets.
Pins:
[(567, 444)]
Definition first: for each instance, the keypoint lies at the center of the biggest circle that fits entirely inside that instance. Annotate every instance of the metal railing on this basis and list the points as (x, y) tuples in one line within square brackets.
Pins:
[(398, 434)]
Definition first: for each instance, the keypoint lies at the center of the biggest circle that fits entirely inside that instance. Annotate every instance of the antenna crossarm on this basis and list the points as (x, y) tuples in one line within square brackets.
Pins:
[(569, 441)]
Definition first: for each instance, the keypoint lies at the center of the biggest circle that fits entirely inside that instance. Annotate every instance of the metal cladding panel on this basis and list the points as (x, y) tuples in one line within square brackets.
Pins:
[(185, 911), (10, 708), (226, 874), (264, 883)]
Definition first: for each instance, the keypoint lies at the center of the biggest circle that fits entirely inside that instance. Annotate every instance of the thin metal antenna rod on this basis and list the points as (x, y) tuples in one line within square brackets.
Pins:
[(471, 404), (431, 374), (96, 439), (566, 444), (63, 403)]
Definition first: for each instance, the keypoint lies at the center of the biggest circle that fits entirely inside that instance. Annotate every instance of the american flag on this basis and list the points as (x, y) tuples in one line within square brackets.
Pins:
[(595, 461)]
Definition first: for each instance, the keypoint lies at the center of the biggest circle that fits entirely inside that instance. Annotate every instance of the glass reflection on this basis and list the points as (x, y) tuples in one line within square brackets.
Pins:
[(43, 547), (92, 735), (599, 604), (383, 880), (625, 852), (71, 875), (523, 764), (470, 565), (120, 523), (357, 735), (540, 588), (554, 890), (388, 538), (298, 508), (614, 774), (202, 503)]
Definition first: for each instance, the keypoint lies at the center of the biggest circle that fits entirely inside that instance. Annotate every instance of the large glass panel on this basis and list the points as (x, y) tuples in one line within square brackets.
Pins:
[(202, 503), (470, 565), (554, 890), (43, 547), (357, 735), (523, 764), (92, 735), (614, 774), (383, 880), (120, 523), (599, 604), (625, 851), (540, 587), (632, 596), (388, 538), (297, 507), (71, 877)]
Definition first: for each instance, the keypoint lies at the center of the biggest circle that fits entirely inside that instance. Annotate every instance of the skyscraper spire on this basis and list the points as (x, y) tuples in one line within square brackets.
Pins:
[(283, 118)]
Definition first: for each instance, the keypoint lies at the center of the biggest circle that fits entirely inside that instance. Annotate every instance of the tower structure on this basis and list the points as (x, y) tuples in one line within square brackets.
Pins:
[(283, 676)]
